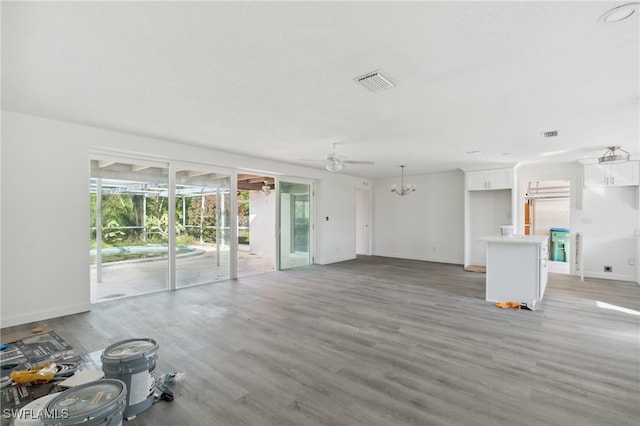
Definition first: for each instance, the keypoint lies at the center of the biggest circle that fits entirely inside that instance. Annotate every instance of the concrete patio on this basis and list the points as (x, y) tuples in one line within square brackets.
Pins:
[(134, 277)]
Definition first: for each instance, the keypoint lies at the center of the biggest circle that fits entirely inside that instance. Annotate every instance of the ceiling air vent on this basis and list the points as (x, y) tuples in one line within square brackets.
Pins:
[(549, 134), (375, 81)]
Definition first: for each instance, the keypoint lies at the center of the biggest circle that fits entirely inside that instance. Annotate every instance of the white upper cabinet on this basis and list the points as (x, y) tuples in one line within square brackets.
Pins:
[(482, 180), (620, 174)]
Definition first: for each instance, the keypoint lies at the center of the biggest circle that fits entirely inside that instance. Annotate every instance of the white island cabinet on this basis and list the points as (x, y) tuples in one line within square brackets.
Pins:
[(516, 268)]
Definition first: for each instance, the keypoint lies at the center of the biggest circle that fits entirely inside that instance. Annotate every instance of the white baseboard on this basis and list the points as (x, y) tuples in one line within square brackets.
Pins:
[(608, 276), (423, 258), (44, 315), (319, 261)]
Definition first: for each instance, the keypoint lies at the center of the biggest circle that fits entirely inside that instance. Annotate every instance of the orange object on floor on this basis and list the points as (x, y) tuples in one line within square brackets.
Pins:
[(38, 374), (506, 305)]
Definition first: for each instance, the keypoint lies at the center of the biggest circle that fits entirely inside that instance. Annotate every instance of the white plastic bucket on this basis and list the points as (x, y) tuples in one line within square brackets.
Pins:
[(99, 403), (33, 413), (134, 362), (506, 230)]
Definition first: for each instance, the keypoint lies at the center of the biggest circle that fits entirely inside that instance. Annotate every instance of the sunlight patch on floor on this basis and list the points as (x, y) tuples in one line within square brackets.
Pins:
[(616, 308)]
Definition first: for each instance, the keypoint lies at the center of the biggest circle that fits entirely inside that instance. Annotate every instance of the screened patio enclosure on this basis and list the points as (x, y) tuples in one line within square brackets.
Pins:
[(130, 229)]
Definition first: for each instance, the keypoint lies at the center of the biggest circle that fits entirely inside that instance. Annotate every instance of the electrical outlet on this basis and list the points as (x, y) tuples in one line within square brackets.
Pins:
[(608, 269)]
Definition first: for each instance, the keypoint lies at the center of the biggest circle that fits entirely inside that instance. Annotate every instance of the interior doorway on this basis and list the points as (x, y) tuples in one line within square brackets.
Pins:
[(547, 212), (363, 219)]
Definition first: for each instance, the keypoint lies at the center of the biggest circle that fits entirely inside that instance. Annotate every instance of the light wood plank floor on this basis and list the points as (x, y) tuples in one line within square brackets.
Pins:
[(380, 341)]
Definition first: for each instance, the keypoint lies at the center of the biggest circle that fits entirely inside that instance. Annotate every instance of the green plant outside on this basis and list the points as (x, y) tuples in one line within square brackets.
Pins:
[(124, 224)]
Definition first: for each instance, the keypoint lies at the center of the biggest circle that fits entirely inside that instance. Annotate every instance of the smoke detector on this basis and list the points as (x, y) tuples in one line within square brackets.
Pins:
[(619, 14), (375, 81)]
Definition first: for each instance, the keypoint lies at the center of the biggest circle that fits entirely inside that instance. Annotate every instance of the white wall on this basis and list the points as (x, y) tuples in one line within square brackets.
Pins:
[(607, 218), (45, 177), (262, 222), (425, 225), (45, 222)]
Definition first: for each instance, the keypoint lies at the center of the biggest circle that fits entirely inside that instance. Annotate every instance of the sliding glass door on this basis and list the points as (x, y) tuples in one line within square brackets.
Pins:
[(203, 233), (129, 229), (294, 224), (158, 226)]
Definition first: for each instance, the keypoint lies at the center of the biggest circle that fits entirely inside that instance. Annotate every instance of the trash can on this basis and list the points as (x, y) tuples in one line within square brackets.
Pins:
[(559, 244)]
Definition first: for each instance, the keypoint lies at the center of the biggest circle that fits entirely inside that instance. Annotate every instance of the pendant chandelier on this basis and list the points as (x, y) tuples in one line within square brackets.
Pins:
[(611, 155), (404, 189)]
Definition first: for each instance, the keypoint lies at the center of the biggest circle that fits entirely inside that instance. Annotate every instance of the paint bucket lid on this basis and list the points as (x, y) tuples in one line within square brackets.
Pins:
[(95, 400), (32, 413), (128, 350)]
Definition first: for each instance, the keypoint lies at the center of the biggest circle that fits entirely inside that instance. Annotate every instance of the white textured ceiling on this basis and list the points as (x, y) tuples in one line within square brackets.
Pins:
[(275, 80)]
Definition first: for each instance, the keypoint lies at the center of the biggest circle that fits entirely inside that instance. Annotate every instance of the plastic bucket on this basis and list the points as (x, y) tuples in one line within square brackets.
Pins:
[(33, 413), (506, 230), (99, 403), (134, 362)]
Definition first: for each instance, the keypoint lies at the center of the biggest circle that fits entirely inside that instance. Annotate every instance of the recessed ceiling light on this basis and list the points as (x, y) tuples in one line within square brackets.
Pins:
[(619, 14)]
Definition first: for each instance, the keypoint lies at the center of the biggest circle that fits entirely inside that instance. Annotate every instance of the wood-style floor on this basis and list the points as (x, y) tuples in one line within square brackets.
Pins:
[(380, 341)]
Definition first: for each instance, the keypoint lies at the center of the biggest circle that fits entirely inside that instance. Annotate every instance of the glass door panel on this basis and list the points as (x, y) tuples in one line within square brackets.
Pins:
[(294, 245), (129, 236), (202, 227), (256, 224)]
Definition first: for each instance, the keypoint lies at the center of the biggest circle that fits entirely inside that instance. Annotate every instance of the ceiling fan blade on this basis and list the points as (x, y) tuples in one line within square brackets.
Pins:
[(368, 163), (335, 162)]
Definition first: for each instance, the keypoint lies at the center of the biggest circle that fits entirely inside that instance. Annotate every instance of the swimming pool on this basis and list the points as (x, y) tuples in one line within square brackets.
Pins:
[(117, 254)]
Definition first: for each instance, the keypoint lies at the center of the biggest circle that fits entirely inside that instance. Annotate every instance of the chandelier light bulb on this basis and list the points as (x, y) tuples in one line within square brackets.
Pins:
[(266, 189)]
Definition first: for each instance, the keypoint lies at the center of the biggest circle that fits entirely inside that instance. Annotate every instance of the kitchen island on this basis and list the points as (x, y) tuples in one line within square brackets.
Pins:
[(516, 268)]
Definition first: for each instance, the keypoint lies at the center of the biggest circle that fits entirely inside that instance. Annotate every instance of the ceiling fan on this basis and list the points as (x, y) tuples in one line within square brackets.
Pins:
[(335, 162)]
